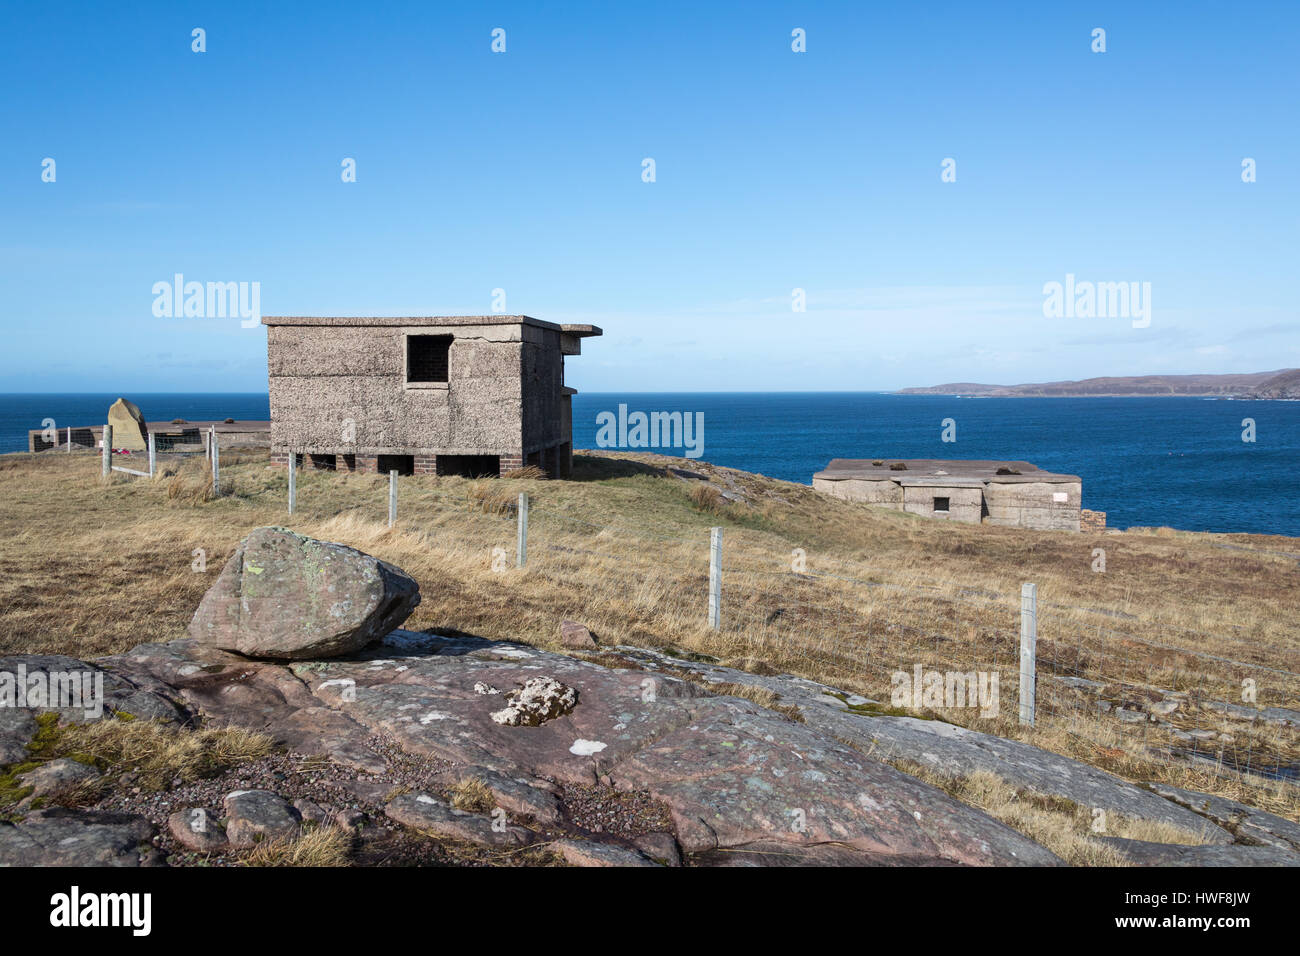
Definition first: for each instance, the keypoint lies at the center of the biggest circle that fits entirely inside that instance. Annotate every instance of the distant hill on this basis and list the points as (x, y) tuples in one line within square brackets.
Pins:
[(1284, 383)]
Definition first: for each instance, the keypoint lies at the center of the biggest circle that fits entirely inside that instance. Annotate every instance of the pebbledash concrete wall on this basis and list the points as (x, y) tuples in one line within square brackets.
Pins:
[(1025, 503), (1024, 496), (341, 394), (965, 499)]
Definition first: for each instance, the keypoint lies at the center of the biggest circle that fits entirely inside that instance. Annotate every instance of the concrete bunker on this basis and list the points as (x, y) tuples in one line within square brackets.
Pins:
[(1015, 493), (446, 395)]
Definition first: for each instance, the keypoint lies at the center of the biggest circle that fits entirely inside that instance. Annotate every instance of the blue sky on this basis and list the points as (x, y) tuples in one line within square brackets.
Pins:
[(775, 170)]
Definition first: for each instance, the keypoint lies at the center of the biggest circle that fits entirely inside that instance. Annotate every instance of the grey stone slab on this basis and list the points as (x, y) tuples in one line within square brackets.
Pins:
[(1141, 853)]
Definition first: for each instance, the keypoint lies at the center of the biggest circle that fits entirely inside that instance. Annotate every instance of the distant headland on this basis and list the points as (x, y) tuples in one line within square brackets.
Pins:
[(1280, 384)]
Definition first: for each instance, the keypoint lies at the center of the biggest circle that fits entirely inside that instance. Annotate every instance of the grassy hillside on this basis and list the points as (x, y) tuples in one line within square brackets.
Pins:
[(832, 590)]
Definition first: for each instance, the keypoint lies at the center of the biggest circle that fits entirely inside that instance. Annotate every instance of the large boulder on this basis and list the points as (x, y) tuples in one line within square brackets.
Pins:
[(283, 595), (129, 429)]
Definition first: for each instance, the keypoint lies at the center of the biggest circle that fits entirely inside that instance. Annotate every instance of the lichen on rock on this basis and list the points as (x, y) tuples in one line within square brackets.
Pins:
[(539, 700)]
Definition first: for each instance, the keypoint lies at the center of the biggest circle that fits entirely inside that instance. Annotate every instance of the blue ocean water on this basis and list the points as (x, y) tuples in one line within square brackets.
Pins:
[(1179, 462), (21, 413)]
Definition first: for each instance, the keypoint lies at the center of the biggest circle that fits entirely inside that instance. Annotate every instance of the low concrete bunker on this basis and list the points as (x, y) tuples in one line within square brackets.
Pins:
[(1010, 493)]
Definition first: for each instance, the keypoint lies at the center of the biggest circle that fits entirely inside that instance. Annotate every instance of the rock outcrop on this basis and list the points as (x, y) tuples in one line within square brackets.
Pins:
[(53, 778), (951, 751), (285, 596), (1247, 823), (1142, 853), (62, 837), (589, 853), (433, 815), (78, 691), (17, 726), (641, 759), (736, 783), (731, 773)]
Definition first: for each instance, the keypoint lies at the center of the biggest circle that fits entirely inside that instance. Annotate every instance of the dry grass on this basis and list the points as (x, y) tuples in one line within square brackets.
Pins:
[(492, 498), (90, 567), (529, 472), (1062, 826), (707, 499), (156, 753), (472, 795), (316, 847)]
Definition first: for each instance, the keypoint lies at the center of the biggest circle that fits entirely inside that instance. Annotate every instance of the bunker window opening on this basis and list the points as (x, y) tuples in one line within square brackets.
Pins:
[(940, 504), (427, 357)]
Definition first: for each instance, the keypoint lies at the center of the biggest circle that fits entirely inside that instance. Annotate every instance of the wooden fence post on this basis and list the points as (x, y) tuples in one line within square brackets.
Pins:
[(715, 578), (153, 456), (108, 450), (293, 481), (69, 439), (392, 497), (1028, 650), (521, 542)]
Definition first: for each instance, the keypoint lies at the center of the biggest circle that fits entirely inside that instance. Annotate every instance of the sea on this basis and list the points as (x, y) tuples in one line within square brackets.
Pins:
[(1176, 462)]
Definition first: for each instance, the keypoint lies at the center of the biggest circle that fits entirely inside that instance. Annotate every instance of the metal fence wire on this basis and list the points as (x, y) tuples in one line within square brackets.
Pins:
[(1091, 679), (1060, 668)]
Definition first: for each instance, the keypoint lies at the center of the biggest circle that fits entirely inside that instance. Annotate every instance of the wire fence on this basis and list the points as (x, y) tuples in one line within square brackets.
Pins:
[(1189, 703), (161, 453), (904, 645), (1093, 679)]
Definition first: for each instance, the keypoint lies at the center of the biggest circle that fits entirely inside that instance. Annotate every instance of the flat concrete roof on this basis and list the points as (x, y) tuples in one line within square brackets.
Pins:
[(953, 472), (936, 481), (389, 321)]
